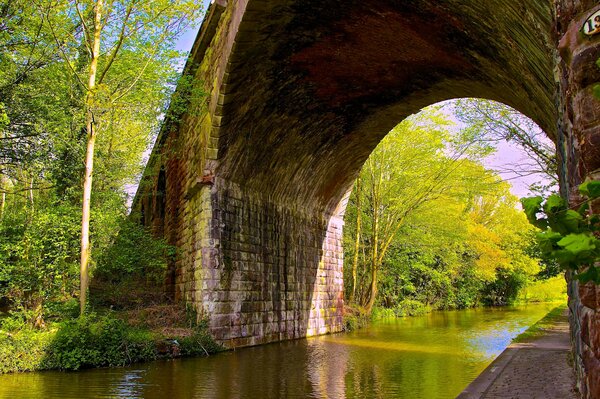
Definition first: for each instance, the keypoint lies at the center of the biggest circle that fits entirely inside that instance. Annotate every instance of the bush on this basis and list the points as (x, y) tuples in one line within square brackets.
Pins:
[(39, 257), (135, 253), (410, 307), (406, 307), (24, 350), (505, 288), (198, 344), (355, 317), (91, 341), (379, 313)]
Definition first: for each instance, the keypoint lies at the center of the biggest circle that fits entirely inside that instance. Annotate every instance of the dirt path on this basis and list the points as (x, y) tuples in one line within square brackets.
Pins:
[(534, 370)]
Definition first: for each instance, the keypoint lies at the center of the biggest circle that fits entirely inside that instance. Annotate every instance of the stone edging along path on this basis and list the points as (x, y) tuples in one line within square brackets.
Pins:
[(536, 369)]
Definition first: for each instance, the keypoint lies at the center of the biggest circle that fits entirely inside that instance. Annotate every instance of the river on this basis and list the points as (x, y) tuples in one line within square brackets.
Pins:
[(427, 357)]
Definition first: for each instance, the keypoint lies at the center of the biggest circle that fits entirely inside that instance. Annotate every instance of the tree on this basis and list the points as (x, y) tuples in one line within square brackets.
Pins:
[(492, 122), (427, 225), (414, 165), (113, 50)]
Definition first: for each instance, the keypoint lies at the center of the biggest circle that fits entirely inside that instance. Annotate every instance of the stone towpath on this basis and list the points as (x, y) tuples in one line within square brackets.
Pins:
[(538, 369)]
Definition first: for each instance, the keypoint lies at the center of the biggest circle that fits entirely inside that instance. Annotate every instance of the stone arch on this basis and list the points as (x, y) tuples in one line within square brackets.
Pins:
[(299, 92)]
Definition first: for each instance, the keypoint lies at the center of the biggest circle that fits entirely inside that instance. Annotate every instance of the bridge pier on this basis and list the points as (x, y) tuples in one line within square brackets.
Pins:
[(263, 271)]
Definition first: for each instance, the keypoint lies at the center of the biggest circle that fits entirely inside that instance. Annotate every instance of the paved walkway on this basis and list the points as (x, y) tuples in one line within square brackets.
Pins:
[(533, 370)]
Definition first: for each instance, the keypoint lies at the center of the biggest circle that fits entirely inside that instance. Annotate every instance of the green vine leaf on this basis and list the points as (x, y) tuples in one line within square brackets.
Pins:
[(591, 274), (566, 222), (590, 189), (533, 206), (578, 244), (554, 204), (548, 240), (567, 235)]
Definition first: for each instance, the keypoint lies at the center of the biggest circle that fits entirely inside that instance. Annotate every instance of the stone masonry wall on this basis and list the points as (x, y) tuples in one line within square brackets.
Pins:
[(267, 273), (579, 150)]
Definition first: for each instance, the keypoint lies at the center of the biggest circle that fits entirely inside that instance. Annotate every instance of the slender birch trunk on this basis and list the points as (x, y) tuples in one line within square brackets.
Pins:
[(89, 158), (357, 242), (376, 202), (3, 195), (31, 194)]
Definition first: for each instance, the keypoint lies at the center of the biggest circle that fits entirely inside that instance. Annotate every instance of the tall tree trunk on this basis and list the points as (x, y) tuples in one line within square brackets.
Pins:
[(376, 183), (31, 194), (2, 195), (374, 265), (89, 159), (357, 242)]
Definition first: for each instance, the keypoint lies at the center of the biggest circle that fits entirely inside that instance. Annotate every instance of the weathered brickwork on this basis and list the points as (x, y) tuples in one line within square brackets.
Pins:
[(580, 150), (268, 273), (249, 183)]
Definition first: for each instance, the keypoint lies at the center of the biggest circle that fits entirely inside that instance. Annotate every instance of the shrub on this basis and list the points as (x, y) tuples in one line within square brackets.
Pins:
[(198, 344), (135, 253), (410, 307), (24, 350), (39, 257), (355, 317), (91, 341)]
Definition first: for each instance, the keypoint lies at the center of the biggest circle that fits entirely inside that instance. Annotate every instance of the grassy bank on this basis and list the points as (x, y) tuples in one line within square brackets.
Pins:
[(539, 329), (102, 340)]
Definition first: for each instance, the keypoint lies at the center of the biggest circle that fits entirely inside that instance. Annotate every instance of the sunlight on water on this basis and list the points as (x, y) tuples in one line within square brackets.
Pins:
[(433, 356)]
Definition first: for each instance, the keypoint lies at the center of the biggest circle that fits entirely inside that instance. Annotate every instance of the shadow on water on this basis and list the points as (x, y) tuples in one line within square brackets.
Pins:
[(431, 356)]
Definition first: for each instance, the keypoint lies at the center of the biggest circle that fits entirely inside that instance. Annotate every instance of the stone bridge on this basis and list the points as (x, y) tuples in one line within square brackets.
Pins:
[(249, 183)]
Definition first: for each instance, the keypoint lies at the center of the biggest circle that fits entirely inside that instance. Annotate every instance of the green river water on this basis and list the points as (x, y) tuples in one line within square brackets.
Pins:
[(428, 357)]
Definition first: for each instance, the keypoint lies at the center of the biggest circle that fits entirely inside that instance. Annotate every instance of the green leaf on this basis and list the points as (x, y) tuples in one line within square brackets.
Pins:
[(590, 189), (578, 243), (548, 240), (591, 274), (532, 206), (554, 204), (566, 222)]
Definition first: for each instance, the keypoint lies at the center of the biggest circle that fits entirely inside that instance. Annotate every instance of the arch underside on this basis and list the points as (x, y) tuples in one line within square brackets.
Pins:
[(313, 86)]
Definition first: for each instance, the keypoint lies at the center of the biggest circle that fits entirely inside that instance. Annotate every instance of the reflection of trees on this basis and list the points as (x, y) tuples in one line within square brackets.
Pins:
[(424, 357)]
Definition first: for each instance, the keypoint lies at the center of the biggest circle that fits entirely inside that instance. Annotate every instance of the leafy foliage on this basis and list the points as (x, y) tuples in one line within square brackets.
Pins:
[(567, 235), (24, 350), (135, 253), (445, 231), (91, 341), (38, 257)]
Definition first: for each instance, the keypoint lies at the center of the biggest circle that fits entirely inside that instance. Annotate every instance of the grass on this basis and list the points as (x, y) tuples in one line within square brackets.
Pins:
[(539, 329)]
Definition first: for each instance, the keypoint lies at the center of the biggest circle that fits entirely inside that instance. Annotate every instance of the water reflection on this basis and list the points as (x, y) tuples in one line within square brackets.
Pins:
[(433, 356)]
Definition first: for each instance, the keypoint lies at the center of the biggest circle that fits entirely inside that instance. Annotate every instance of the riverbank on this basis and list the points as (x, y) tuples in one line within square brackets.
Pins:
[(535, 365), (109, 339)]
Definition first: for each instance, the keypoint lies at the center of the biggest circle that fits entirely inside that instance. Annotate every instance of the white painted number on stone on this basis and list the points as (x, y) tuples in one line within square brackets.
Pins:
[(592, 24)]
